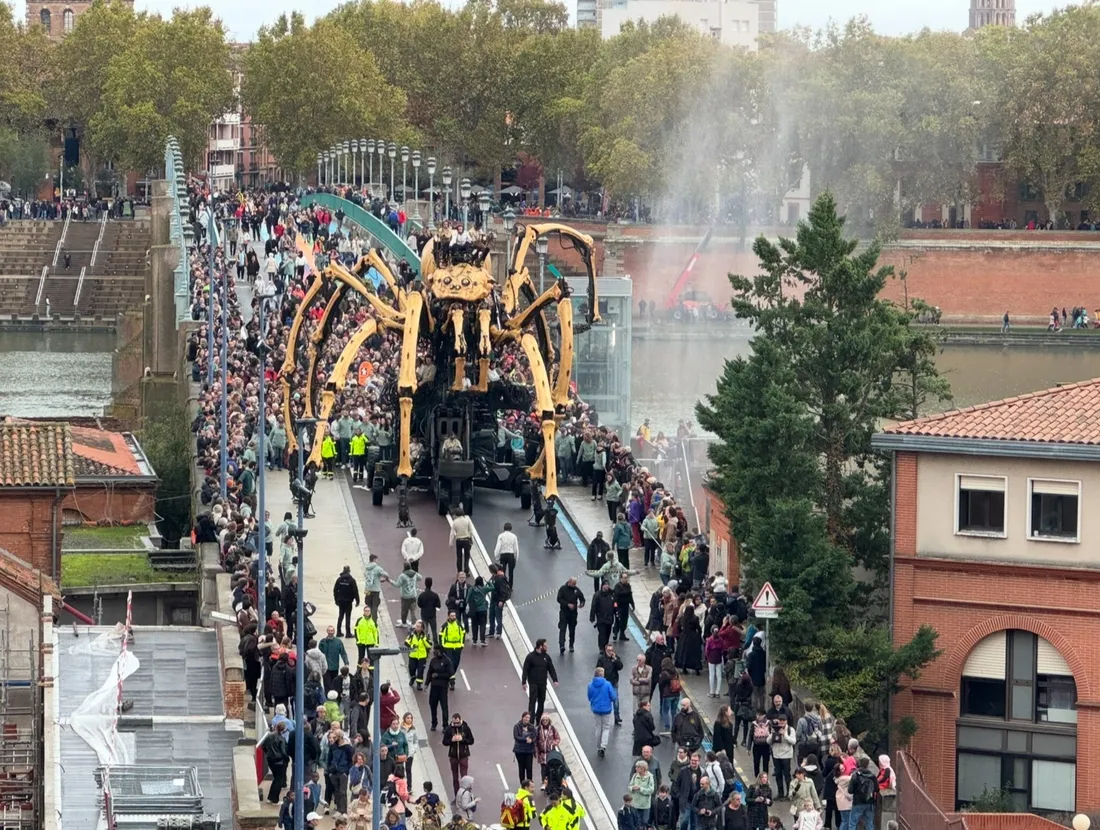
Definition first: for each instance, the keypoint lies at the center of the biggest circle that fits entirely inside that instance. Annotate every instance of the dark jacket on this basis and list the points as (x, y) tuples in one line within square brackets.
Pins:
[(457, 597), (758, 810), (602, 608), (624, 596), (686, 786), (458, 749), (735, 819), (756, 663), (282, 679), (311, 747), (662, 812), (569, 595), (597, 554), (537, 667), (629, 818), (439, 672), (687, 730), (520, 732), (611, 667), (345, 589), (428, 602), (645, 731), (707, 805), (340, 758)]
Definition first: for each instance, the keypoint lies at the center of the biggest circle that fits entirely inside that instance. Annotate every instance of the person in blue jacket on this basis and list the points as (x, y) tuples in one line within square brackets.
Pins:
[(601, 700)]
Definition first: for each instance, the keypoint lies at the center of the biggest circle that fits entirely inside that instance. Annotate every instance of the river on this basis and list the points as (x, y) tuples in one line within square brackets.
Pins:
[(63, 374), (55, 374), (668, 376)]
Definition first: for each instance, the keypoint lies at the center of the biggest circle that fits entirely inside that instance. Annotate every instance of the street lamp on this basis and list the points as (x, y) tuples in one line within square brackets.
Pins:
[(370, 152), (326, 156), (210, 230), (431, 193), (363, 161), (299, 534), (376, 772), (347, 158), (380, 146), (391, 151), (542, 244), (261, 454), (354, 159), (404, 173), (509, 224), (464, 190), (212, 238), (320, 158), (416, 181), (483, 203), (447, 179)]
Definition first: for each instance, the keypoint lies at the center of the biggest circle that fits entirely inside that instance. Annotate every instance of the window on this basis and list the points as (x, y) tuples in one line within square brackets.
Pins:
[(68, 19), (981, 505), (1029, 193), (45, 19), (1017, 725), (1055, 510)]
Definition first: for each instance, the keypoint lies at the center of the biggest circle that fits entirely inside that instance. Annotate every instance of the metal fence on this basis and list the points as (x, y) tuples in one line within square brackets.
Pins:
[(916, 809), (180, 232)]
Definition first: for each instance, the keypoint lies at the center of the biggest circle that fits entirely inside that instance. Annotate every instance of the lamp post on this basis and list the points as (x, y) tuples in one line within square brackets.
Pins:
[(404, 173), (363, 162), (509, 224), (320, 159), (542, 244), (464, 190), (299, 534), (416, 182), (376, 673), (210, 302), (324, 155), (391, 151), (370, 177), (354, 160), (483, 203), (334, 169), (380, 147), (447, 179), (347, 158), (261, 456), (212, 237), (431, 193)]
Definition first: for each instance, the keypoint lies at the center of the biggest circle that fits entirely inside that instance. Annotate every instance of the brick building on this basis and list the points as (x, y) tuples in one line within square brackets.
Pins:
[(993, 512), (36, 474), (58, 17)]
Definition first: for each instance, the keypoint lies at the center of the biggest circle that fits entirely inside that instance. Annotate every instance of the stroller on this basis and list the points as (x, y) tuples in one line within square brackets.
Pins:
[(556, 772), (550, 517)]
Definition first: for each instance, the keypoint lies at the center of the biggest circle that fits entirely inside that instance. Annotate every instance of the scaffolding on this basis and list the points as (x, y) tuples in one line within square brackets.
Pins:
[(21, 744)]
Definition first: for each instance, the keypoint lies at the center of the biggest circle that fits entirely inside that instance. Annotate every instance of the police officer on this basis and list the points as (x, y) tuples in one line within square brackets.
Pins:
[(570, 600)]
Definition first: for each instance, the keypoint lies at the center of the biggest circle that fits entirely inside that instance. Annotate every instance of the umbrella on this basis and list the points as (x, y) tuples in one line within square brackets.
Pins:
[(512, 190), (477, 190), (429, 190), (565, 190)]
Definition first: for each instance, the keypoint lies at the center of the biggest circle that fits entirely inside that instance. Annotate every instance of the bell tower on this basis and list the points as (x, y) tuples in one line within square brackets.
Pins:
[(58, 17), (992, 13)]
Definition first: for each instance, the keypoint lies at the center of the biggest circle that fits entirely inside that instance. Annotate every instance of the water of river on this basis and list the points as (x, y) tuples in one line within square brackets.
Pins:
[(69, 374), (56, 374), (670, 375)]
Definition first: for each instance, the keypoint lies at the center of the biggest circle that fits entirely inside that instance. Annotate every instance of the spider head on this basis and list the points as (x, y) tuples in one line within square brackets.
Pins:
[(462, 282)]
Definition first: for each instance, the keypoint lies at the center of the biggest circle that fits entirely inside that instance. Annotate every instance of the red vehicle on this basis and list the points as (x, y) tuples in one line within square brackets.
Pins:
[(686, 303)]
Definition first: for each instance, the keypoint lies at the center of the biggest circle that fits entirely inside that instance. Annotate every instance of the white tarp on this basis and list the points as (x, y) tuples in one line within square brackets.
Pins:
[(96, 718)]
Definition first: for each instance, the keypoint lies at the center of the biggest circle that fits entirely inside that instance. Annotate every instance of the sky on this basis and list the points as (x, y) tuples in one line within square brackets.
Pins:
[(894, 17)]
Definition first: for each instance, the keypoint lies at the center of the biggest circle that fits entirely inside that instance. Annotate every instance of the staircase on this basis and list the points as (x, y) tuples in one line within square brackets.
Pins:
[(116, 282), (26, 246)]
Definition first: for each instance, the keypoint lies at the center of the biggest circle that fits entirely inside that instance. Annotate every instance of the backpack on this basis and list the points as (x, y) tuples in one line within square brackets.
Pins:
[(674, 684), (275, 749), (865, 790), (761, 732), (512, 816), (503, 589)]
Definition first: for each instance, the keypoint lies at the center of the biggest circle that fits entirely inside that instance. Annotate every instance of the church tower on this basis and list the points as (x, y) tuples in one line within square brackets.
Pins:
[(57, 17), (992, 13)]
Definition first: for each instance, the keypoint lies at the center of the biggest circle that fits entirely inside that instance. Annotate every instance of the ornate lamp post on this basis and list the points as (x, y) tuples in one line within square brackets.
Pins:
[(416, 180), (464, 190), (404, 173), (363, 162), (380, 147), (320, 159), (447, 179), (327, 157), (542, 245), (347, 158), (509, 224), (431, 193), (354, 159), (483, 203), (370, 152), (391, 151)]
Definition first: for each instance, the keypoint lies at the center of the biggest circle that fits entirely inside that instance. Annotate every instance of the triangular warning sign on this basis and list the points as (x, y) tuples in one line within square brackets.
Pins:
[(767, 599)]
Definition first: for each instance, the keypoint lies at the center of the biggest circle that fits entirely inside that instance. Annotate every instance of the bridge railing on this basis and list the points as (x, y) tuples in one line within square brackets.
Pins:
[(180, 232), (381, 232)]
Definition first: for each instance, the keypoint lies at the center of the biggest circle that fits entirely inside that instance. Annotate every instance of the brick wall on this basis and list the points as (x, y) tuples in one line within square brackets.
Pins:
[(26, 522), (128, 505), (720, 532), (966, 601)]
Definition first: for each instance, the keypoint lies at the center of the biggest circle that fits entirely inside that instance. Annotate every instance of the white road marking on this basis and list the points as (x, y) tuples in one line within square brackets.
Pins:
[(465, 681), (503, 780)]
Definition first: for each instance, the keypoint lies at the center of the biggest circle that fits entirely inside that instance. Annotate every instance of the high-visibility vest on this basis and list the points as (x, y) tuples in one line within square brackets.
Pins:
[(358, 445), (328, 447), (366, 632), (453, 636), (418, 646)]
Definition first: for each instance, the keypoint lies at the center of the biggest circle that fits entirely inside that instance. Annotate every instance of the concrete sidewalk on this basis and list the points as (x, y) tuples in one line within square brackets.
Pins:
[(336, 539), (587, 517)]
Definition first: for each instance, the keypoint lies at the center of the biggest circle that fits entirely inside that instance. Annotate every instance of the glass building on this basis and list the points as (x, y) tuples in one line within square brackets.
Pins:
[(601, 363)]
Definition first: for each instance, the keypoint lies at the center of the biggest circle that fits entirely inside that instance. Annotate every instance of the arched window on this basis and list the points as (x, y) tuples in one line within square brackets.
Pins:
[(1017, 727), (67, 20), (44, 18)]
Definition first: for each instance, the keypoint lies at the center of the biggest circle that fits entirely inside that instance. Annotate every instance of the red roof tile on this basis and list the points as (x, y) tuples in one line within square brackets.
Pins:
[(103, 453), (1067, 414), (25, 581), (36, 455)]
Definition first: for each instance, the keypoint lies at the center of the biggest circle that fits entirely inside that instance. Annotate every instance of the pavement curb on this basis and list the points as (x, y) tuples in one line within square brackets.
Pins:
[(424, 763)]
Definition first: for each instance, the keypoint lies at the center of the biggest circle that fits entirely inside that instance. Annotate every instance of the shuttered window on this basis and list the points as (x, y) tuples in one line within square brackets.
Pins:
[(988, 658), (1051, 660), (990, 483)]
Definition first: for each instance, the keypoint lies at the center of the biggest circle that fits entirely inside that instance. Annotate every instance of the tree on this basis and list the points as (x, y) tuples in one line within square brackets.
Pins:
[(304, 104), (24, 160), (23, 73), (806, 495), (131, 80)]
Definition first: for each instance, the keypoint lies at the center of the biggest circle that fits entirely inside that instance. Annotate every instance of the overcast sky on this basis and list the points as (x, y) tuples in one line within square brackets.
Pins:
[(244, 17)]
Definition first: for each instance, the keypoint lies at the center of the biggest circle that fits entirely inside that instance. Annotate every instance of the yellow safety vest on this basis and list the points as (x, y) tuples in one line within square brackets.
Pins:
[(556, 818), (358, 445), (453, 636), (328, 447), (366, 632), (418, 646)]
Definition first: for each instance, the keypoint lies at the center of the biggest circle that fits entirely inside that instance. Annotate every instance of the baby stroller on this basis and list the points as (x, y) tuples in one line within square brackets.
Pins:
[(556, 772), (550, 517)]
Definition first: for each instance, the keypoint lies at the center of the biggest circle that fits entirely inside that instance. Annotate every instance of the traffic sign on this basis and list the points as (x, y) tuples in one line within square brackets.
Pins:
[(766, 605)]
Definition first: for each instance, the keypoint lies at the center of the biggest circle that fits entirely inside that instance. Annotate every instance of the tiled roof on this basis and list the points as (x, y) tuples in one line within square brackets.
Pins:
[(24, 581), (36, 455), (1067, 414), (100, 452)]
